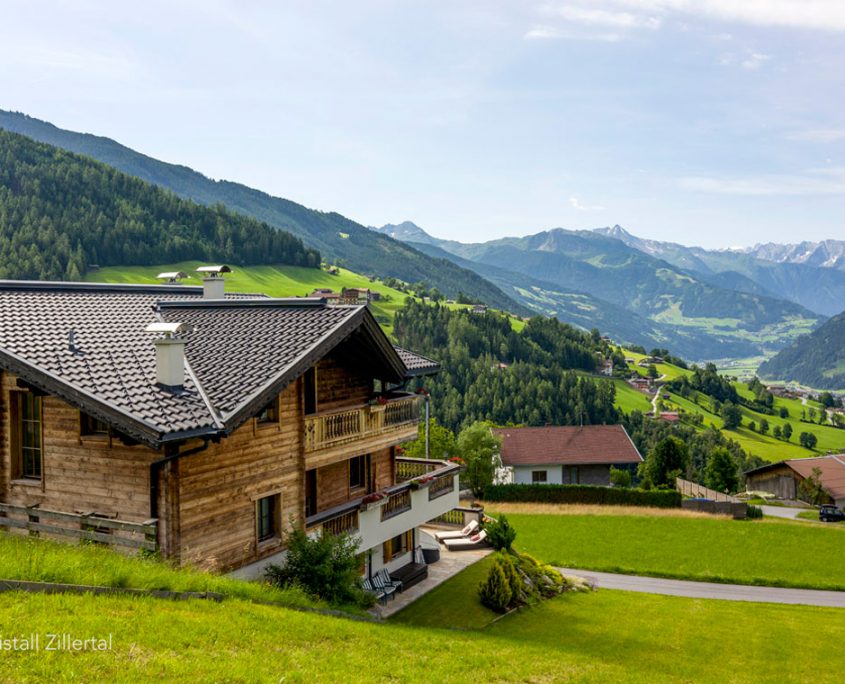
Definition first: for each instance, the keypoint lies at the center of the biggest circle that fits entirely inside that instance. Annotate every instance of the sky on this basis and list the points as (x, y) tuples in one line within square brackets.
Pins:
[(710, 122)]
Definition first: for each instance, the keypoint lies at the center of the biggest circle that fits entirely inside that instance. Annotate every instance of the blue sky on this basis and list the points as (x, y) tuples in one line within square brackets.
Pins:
[(711, 122)]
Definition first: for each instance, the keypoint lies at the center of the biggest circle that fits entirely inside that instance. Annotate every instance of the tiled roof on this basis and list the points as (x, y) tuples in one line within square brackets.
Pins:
[(87, 344), (569, 445), (417, 364)]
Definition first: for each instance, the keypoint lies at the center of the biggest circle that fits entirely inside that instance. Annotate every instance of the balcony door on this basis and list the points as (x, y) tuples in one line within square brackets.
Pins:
[(310, 492)]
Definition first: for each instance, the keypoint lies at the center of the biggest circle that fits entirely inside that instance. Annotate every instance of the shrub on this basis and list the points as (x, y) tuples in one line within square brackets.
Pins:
[(582, 494), (500, 534), (325, 566), (620, 477), (753, 512), (515, 582), (495, 592)]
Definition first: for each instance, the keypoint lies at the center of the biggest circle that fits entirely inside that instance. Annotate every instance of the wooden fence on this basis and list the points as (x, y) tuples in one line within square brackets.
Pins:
[(697, 491), (89, 527)]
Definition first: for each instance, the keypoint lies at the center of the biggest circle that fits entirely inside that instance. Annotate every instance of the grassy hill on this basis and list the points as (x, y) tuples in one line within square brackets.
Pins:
[(277, 281), (830, 438)]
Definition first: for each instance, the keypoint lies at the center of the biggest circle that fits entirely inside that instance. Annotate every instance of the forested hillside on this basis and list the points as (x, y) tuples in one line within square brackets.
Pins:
[(491, 372), (816, 360), (338, 239), (60, 213)]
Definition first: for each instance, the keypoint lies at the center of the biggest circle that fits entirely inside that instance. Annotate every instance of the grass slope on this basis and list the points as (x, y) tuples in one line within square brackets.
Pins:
[(277, 281), (40, 560), (707, 549)]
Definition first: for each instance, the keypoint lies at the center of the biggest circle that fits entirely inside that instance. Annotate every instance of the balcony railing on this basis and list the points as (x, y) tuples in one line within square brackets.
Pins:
[(335, 428), (354, 516)]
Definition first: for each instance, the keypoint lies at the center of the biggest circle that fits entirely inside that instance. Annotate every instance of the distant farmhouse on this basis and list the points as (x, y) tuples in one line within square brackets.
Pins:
[(566, 454), (783, 479)]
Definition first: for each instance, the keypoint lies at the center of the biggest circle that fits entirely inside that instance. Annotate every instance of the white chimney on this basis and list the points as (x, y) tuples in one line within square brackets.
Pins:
[(213, 285), (170, 354)]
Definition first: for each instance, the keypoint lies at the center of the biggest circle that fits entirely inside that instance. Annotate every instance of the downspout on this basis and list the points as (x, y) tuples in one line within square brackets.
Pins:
[(427, 425), (156, 466)]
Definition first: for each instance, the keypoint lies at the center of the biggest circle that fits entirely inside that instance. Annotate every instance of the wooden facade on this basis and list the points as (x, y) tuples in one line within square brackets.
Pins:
[(206, 501)]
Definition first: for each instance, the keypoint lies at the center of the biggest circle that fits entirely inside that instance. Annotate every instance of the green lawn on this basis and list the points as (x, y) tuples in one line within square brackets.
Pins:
[(632, 637), (712, 549), (607, 636)]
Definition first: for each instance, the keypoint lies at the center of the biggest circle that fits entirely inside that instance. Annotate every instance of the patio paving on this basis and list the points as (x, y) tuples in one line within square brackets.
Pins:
[(450, 564)]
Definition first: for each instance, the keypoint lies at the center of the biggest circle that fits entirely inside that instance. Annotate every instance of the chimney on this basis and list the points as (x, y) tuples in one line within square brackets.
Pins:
[(170, 354), (172, 277), (213, 285)]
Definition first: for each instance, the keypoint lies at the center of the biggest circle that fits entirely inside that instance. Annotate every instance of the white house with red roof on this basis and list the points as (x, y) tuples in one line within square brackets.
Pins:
[(566, 454)]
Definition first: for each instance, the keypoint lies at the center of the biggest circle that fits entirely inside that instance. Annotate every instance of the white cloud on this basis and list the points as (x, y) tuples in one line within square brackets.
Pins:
[(550, 33), (755, 60), (811, 182), (542, 33), (575, 203), (818, 135), (602, 17), (827, 15)]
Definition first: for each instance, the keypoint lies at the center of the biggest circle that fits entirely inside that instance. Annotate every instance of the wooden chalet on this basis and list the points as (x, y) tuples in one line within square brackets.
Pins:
[(205, 425)]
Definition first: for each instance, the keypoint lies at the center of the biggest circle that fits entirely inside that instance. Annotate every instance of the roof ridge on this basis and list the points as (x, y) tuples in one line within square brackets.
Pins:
[(76, 286), (305, 302)]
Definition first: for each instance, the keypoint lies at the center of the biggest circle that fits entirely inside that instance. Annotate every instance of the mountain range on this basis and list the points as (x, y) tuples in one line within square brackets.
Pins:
[(701, 303)]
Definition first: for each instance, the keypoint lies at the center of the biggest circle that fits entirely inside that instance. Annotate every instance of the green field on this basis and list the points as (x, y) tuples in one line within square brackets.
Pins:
[(593, 637), (629, 399), (277, 281), (708, 549)]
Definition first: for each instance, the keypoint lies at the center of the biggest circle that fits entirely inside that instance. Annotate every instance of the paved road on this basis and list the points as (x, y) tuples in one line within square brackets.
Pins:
[(783, 511), (710, 590)]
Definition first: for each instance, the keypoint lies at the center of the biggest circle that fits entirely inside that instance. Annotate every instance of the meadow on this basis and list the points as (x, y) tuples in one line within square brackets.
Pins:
[(704, 548), (446, 636)]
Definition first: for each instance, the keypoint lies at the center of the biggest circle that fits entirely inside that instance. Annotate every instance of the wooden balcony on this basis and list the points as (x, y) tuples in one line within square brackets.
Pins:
[(331, 432), (413, 502)]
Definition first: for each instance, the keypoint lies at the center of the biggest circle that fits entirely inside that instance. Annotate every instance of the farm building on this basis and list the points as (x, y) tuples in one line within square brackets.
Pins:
[(566, 454), (783, 479)]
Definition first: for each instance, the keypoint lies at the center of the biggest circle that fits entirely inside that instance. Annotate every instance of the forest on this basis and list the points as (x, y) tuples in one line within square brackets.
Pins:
[(61, 213), (491, 372)]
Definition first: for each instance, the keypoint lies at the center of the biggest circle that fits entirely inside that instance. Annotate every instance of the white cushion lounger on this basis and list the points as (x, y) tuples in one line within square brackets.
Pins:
[(467, 543), (458, 534)]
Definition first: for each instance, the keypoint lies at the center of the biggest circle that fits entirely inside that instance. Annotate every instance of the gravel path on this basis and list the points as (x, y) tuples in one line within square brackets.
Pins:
[(711, 590)]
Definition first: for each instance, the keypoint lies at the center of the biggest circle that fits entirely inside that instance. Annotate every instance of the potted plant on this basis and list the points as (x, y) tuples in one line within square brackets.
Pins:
[(373, 500)]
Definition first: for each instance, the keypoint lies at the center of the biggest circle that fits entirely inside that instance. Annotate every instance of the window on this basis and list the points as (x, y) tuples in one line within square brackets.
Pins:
[(270, 413), (267, 517), (309, 390), (91, 427), (26, 435), (310, 492), (398, 545), (539, 476), (358, 472)]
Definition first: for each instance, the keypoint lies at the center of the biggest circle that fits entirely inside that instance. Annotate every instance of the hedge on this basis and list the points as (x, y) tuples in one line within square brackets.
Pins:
[(582, 494)]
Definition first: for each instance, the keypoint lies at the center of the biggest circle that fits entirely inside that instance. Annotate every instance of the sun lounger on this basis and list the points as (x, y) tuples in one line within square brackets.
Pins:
[(469, 530), (382, 593), (383, 578), (476, 541)]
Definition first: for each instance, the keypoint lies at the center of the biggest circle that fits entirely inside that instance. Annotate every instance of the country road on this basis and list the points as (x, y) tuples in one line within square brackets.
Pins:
[(711, 590)]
